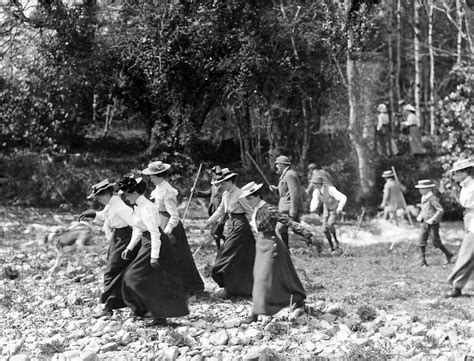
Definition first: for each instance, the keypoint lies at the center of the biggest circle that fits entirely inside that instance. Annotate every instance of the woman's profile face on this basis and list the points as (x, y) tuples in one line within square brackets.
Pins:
[(460, 175)]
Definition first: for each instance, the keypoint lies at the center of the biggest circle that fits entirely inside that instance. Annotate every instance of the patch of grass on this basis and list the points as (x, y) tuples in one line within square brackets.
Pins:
[(366, 313), (55, 346), (178, 339), (370, 351)]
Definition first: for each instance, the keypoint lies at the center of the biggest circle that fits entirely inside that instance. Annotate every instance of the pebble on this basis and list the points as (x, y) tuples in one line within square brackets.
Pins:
[(388, 331)]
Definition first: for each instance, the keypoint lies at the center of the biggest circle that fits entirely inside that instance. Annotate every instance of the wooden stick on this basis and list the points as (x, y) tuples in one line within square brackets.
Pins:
[(191, 195), (258, 168), (403, 197)]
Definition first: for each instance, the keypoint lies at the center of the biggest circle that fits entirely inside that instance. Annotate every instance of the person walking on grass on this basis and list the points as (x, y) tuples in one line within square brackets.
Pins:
[(117, 219), (333, 202), (291, 202), (463, 172), (275, 282), (165, 199), (233, 266), (392, 197), (430, 217), (215, 197), (151, 283)]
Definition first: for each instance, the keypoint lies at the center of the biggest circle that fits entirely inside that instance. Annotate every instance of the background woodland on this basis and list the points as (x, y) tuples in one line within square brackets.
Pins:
[(92, 89)]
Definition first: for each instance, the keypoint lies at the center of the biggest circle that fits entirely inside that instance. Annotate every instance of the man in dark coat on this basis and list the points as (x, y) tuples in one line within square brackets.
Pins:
[(289, 190)]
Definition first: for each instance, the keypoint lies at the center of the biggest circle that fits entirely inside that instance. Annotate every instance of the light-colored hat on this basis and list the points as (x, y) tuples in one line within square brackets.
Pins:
[(224, 175), (317, 179), (281, 159), (156, 168), (425, 183), (462, 164), (387, 174), (410, 108), (99, 187), (382, 108), (128, 184), (312, 166), (250, 188)]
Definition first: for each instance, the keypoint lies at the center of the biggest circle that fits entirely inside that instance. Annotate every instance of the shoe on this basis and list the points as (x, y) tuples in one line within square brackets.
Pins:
[(449, 257), (157, 322), (299, 304), (455, 292), (105, 312), (251, 319)]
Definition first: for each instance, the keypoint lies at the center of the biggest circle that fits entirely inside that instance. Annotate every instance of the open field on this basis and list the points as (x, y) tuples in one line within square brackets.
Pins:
[(370, 302)]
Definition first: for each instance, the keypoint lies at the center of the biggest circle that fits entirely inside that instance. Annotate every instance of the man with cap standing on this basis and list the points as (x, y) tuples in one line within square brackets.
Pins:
[(392, 196), (290, 202), (333, 202)]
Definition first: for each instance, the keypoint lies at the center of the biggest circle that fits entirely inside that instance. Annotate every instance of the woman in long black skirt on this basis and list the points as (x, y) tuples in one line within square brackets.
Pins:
[(233, 267), (151, 283), (165, 197), (117, 218)]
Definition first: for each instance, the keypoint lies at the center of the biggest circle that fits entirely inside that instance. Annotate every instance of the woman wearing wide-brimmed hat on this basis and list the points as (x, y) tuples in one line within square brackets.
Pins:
[(463, 172), (165, 198), (151, 283), (233, 267), (117, 218), (275, 282), (414, 133)]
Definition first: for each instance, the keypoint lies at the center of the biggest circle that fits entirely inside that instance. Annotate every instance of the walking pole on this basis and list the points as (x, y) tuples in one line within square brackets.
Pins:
[(258, 168), (191, 195), (403, 198)]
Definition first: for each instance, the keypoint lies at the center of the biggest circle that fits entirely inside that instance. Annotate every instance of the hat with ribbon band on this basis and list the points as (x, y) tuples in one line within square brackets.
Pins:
[(425, 183), (156, 168), (388, 174), (462, 164), (128, 184), (224, 175), (99, 187), (250, 188), (281, 159)]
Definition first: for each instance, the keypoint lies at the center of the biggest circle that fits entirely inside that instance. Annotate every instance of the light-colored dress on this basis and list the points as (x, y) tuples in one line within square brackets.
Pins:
[(414, 134)]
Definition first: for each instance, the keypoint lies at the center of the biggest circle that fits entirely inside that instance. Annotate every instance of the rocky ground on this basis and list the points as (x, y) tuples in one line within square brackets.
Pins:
[(371, 301)]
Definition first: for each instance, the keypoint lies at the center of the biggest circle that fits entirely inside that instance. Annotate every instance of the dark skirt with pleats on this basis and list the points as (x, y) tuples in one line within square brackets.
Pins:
[(276, 283), (158, 291), (112, 295), (192, 281), (234, 262)]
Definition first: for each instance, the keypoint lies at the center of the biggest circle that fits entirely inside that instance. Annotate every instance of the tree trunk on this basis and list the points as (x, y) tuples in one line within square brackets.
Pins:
[(306, 133), (355, 128), (392, 78), (399, 54), (459, 19), (432, 67), (417, 58)]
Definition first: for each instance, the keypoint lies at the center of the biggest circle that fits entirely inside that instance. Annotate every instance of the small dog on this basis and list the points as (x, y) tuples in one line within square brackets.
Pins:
[(65, 240)]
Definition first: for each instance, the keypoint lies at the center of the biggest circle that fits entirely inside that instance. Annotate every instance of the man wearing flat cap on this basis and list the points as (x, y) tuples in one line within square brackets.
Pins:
[(289, 189)]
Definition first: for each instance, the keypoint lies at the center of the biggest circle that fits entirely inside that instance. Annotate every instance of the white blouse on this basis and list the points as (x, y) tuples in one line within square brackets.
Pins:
[(146, 218), (231, 203), (165, 197), (116, 214)]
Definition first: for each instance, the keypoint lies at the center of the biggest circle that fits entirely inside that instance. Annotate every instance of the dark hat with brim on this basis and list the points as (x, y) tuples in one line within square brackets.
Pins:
[(425, 183), (128, 184), (388, 174), (155, 168), (250, 188), (282, 160), (99, 187), (224, 175)]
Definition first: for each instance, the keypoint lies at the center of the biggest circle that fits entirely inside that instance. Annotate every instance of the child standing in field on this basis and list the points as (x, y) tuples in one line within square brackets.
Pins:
[(430, 216)]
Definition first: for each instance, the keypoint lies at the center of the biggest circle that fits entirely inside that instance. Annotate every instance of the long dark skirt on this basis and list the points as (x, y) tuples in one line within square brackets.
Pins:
[(112, 295), (158, 291), (192, 282), (276, 283), (464, 266), (234, 262)]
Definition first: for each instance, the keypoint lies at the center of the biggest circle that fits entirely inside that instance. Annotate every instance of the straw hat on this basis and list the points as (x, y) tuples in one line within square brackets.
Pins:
[(410, 108), (317, 179), (99, 187), (382, 108), (224, 175), (425, 183), (250, 188), (156, 168), (462, 164), (281, 159), (387, 174)]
